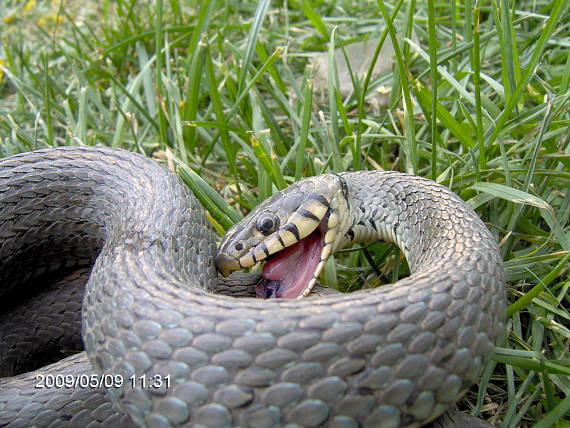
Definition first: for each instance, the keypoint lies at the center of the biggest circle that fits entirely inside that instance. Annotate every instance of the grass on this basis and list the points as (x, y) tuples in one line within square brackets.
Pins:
[(479, 101)]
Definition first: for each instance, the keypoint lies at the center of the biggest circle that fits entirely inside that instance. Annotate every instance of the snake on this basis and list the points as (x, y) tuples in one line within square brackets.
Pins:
[(161, 349)]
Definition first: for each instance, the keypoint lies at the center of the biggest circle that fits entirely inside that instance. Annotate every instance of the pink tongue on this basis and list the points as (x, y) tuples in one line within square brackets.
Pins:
[(294, 266)]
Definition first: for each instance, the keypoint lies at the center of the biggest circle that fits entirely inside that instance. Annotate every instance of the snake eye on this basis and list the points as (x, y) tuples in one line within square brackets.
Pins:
[(267, 223)]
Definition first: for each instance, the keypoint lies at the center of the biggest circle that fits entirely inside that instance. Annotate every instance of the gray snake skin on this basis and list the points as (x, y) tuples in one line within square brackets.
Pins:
[(398, 355)]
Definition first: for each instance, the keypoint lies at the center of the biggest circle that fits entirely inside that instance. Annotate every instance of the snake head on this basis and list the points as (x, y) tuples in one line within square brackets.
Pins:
[(295, 231)]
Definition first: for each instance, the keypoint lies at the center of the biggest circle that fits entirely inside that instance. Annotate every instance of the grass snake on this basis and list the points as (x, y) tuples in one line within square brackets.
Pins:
[(398, 355)]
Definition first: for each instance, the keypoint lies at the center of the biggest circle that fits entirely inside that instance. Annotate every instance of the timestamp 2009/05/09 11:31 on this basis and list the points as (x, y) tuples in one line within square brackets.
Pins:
[(101, 381)]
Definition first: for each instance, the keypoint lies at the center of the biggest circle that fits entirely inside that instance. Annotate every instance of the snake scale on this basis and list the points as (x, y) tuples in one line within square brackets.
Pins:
[(398, 355)]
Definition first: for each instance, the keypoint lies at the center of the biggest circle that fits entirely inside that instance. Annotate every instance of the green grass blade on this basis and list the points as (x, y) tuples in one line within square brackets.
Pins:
[(514, 195), (434, 82), (476, 65), (556, 415), (158, 46), (410, 146), (426, 98), (254, 80), (333, 84), (305, 125), (527, 298), (269, 162), (529, 364), (218, 108), (193, 93), (255, 28), (206, 7), (558, 6), (48, 102), (220, 210), (315, 19)]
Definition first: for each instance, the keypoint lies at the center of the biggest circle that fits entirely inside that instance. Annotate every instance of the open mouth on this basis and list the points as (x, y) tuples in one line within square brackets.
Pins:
[(287, 274)]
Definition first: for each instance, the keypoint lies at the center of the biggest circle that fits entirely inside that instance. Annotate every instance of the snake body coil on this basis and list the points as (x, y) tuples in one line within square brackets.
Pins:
[(398, 355)]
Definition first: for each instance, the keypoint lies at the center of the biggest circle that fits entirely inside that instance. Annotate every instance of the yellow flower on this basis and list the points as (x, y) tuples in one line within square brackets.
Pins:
[(9, 18), (2, 62), (29, 5), (49, 19)]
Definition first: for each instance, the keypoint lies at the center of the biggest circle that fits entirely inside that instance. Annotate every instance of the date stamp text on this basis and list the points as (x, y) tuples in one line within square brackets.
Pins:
[(60, 381)]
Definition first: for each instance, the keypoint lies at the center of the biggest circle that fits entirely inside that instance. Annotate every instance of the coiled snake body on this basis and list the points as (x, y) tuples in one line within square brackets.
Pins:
[(398, 355)]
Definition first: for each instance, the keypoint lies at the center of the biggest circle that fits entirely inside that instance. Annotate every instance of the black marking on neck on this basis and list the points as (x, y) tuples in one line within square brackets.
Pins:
[(373, 224), (319, 198), (254, 258), (264, 248), (290, 227), (350, 234), (280, 240), (308, 214), (343, 186)]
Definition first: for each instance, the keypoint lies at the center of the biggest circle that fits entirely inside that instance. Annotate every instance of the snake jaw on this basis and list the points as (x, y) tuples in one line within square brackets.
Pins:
[(226, 264), (292, 272), (302, 262), (307, 219)]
